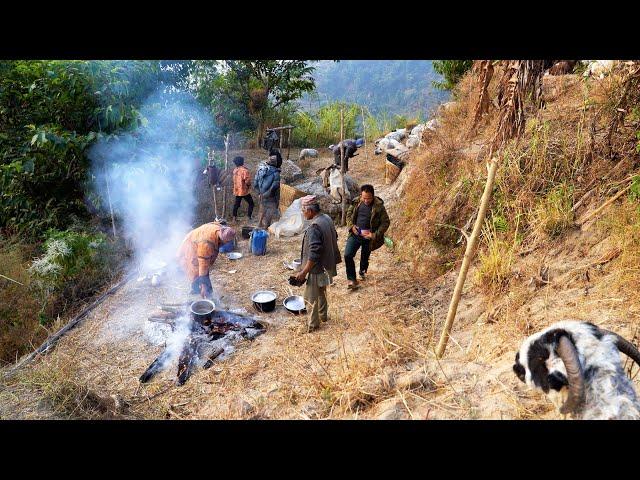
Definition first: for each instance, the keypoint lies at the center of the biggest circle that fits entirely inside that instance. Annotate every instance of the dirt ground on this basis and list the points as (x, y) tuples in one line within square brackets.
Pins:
[(372, 359)]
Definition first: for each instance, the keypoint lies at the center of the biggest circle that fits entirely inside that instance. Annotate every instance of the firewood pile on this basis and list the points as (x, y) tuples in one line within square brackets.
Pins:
[(204, 341)]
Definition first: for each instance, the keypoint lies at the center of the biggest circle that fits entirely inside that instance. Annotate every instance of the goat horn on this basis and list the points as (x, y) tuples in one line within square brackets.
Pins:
[(625, 346), (566, 350)]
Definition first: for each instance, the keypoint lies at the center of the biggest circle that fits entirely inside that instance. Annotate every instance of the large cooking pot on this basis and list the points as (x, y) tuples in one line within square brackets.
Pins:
[(202, 311), (264, 300)]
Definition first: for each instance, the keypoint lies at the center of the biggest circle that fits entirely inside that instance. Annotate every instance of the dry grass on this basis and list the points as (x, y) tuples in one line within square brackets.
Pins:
[(552, 214), (19, 305), (496, 263)]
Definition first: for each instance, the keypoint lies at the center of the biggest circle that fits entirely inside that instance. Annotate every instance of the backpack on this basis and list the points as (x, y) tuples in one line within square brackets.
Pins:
[(261, 175), (270, 140)]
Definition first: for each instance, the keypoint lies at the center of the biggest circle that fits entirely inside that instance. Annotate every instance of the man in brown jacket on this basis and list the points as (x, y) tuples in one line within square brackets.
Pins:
[(367, 220), (320, 255)]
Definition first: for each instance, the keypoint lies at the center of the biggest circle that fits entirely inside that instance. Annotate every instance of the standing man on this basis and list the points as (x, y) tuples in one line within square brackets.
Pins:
[(267, 183), (367, 220), (241, 187), (320, 255), (350, 149), (199, 251)]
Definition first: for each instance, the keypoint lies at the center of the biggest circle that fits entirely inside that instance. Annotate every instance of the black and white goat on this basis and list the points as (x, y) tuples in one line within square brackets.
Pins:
[(578, 366)]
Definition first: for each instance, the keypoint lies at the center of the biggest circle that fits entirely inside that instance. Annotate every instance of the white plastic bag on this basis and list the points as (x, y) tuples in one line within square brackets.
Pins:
[(291, 222)]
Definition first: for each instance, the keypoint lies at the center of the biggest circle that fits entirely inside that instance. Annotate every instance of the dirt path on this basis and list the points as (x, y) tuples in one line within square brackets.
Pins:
[(373, 359)]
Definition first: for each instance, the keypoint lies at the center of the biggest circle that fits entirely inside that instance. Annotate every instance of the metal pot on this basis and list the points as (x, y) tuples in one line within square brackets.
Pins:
[(202, 311), (295, 304), (264, 300), (246, 231)]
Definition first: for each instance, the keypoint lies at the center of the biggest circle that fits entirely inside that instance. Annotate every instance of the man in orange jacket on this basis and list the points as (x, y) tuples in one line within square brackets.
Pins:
[(241, 187), (199, 251)]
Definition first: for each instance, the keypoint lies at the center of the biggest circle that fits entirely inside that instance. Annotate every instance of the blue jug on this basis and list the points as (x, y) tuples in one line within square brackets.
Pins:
[(259, 242)]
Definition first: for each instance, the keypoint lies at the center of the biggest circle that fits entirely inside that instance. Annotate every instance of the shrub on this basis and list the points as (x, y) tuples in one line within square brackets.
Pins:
[(452, 71)]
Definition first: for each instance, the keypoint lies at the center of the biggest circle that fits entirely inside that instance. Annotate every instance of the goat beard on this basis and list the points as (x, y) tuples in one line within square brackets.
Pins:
[(558, 398)]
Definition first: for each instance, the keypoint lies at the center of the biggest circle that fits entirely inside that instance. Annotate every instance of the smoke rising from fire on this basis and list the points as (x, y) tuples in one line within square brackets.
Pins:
[(148, 174)]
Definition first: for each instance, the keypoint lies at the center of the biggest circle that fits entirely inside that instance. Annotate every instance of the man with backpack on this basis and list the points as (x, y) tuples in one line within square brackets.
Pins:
[(267, 183)]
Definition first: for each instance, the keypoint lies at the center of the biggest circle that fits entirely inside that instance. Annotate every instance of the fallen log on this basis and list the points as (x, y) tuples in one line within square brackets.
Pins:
[(591, 215), (53, 339)]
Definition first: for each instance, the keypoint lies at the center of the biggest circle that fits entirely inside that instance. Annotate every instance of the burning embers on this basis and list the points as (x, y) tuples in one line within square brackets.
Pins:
[(201, 336)]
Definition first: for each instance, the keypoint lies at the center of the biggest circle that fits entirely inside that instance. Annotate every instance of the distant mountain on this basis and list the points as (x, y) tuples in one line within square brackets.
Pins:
[(384, 86)]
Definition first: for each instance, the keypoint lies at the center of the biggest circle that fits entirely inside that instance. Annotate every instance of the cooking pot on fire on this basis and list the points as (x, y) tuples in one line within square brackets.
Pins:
[(202, 311)]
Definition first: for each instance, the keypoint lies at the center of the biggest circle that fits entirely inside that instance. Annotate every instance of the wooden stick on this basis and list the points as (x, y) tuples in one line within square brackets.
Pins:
[(288, 142), (12, 280), (224, 184), (468, 256), (113, 223), (603, 206), (364, 133), (342, 170)]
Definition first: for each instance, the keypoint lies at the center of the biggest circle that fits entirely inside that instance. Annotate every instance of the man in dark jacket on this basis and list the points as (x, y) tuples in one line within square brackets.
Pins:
[(267, 183), (320, 255), (367, 220), (350, 149)]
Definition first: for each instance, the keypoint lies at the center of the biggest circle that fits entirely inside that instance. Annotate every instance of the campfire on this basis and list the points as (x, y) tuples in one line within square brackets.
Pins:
[(205, 339)]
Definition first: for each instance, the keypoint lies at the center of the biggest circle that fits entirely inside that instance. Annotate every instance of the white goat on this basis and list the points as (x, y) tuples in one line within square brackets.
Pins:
[(598, 68), (308, 153), (413, 141), (332, 179), (385, 144), (577, 365)]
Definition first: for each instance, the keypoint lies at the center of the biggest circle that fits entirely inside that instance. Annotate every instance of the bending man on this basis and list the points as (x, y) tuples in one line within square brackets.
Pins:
[(199, 251)]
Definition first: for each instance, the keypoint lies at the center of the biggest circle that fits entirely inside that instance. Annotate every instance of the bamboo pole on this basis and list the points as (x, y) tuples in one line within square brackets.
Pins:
[(113, 222), (288, 142), (342, 170), (15, 281), (224, 184), (468, 256), (364, 133)]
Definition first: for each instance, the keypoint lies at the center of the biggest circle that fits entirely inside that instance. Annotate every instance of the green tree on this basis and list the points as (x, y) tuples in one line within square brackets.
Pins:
[(452, 71), (258, 89)]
